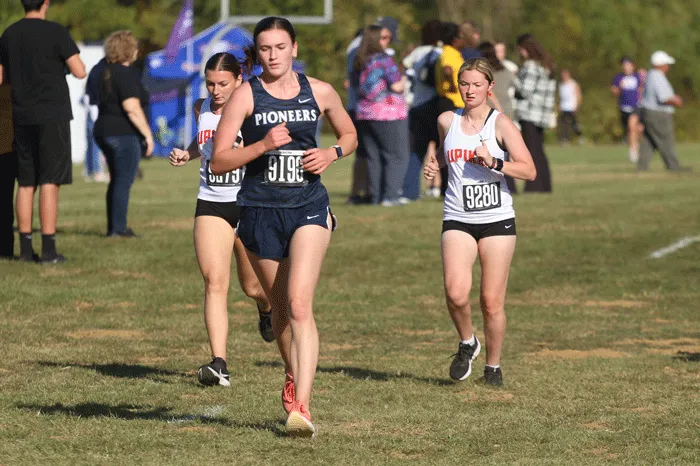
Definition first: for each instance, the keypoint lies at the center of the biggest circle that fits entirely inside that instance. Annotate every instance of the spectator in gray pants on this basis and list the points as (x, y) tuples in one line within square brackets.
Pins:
[(658, 105), (382, 116)]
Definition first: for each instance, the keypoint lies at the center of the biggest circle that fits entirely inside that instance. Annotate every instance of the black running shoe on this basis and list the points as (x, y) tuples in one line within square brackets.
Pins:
[(214, 373), (265, 325), (493, 376), (57, 259), (461, 365)]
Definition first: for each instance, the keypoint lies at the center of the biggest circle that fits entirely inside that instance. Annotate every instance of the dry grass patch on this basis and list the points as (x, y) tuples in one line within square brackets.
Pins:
[(344, 347), (49, 272), (579, 354), (130, 274), (595, 425), (104, 333), (175, 224)]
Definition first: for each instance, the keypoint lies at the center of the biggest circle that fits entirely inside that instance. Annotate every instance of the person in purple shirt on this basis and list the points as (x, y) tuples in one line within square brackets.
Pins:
[(627, 86)]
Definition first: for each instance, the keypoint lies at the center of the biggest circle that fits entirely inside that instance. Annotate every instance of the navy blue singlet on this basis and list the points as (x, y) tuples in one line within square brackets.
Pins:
[(276, 179)]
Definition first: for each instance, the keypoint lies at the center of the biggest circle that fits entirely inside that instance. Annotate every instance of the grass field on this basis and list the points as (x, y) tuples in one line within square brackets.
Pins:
[(600, 362)]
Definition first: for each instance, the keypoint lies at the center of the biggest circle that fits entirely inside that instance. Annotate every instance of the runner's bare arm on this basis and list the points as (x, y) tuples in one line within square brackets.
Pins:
[(237, 109), (317, 160), (520, 165)]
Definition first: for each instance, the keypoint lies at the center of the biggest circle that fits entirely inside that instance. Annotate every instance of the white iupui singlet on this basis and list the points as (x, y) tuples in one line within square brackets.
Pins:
[(475, 194), (214, 188)]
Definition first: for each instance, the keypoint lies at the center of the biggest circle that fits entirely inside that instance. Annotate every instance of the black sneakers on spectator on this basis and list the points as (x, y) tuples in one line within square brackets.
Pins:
[(461, 365), (128, 233), (493, 376), (265, 325), (214, 373), (54, 259)]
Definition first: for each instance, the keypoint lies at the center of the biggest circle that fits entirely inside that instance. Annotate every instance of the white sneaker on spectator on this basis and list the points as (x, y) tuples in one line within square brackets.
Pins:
[(634, 155), (403, 200)]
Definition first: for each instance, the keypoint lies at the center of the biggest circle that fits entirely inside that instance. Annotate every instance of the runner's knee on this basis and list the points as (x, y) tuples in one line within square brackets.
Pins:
[(216, 283), (456, 296), (491, 303), (300, 309)]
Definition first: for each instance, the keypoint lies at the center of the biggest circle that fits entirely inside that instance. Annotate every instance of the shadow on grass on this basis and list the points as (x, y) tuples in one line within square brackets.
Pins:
[(359, 373), (119, 370), (687, 356), (160, 413)]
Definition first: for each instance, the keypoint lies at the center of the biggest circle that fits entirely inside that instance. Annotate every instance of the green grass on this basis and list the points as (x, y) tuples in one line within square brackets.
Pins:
[(98, 355)]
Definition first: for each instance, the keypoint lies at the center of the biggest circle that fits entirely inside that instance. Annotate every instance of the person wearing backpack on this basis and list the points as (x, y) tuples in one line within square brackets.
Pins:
[(422, 116)]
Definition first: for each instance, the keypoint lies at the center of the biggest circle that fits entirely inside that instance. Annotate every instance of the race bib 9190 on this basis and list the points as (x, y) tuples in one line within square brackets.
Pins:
[(229, 179), (482, 196), (284, 168)]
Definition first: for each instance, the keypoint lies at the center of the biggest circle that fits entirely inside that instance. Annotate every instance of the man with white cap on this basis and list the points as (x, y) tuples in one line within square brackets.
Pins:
[(658, 105)]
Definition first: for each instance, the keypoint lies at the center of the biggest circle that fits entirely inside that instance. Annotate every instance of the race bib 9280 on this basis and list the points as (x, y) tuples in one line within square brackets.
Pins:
[(284, 168), (481, 196)]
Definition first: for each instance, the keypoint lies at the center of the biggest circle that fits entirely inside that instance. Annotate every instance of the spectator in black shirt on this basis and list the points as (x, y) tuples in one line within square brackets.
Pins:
[(121, 129), (34, 54)]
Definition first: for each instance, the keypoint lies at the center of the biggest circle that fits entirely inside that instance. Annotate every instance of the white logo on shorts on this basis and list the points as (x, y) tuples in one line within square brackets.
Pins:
[(309, 218), (508, 226)]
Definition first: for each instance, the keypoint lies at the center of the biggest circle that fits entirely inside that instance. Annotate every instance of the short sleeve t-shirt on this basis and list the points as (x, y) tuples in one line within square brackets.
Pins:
[(34, 53), (657, 90), (375, 100), (117, 83), (453, 58), (629, 85)]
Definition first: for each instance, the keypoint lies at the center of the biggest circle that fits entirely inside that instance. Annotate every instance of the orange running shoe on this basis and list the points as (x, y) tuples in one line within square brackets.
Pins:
[(299, 422), (288, 394)]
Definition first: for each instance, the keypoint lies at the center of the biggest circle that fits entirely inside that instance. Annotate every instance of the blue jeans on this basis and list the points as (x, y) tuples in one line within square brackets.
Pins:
[(92, 154), (123, 154)]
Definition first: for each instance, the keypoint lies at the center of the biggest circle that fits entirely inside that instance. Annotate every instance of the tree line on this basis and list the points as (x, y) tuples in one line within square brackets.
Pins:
[(588, 38)]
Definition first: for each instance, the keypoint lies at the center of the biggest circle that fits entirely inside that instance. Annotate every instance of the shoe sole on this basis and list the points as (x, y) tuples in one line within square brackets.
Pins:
[(469, 372), (211, 379), (300, 427)]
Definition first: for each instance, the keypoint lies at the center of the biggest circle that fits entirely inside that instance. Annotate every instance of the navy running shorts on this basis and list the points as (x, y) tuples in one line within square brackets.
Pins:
[(267, 231)]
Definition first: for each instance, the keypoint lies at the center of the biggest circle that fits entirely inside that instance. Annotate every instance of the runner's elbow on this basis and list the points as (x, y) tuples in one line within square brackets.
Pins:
[(532, 174)]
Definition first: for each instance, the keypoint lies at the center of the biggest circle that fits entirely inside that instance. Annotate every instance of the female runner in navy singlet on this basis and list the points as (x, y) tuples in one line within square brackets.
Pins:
[(215, 221), (285, 221), (479, 219)]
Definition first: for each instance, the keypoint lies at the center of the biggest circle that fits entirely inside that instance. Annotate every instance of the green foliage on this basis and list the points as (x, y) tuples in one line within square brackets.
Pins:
[(586, 37)]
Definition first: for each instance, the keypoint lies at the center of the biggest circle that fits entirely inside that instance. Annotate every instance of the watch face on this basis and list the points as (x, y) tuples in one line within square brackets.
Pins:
[(338, 151)]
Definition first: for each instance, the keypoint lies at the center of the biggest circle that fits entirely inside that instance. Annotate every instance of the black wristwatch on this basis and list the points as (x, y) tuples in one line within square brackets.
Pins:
[(499, 165), (338, 152)]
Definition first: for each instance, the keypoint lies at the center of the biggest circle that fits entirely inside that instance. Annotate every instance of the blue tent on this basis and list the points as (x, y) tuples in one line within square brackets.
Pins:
[(168, 81)]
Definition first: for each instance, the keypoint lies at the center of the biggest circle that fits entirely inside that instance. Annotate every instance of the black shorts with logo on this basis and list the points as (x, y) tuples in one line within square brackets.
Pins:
[(229, 211), (482, 230), (43, 153)]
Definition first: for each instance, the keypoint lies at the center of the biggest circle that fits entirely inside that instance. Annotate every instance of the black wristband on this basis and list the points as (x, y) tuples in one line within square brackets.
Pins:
[(499, 165), (338, 152)]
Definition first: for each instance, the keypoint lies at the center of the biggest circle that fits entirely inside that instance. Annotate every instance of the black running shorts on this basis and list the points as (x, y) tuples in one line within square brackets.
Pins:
[(482, 230), (229, 211)]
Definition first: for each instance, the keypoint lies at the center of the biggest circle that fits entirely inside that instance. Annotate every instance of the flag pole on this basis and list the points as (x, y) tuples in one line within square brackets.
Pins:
[(188, 96), (225, 10)]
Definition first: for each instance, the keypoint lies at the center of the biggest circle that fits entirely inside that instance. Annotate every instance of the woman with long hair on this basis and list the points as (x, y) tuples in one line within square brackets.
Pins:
[(121, 129), (286, 222), (535, 90), (382, 116), (216, 217), (479, 219)]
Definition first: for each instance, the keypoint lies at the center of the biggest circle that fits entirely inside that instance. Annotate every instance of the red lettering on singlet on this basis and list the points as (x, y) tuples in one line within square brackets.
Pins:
[(455, 155), (204, 135)]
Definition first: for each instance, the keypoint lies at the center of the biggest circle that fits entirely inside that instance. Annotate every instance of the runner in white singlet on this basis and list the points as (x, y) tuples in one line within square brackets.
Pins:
[(479, 219), (216, 217)]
